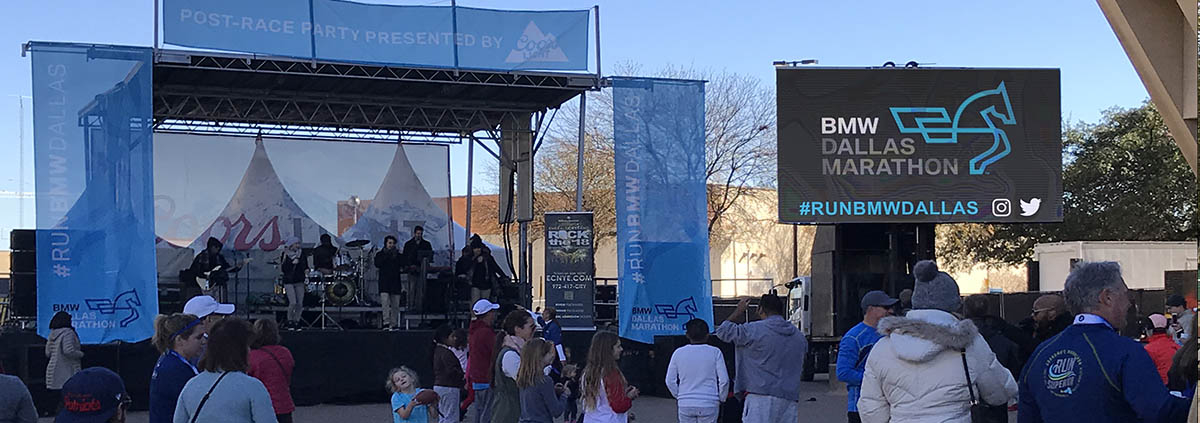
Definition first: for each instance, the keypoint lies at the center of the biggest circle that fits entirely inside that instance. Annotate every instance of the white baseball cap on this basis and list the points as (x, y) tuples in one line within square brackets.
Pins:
[(481, 307), (204, 305)]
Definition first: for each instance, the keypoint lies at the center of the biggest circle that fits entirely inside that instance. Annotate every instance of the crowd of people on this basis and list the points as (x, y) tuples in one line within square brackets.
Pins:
[(930, 355), (948, 360)]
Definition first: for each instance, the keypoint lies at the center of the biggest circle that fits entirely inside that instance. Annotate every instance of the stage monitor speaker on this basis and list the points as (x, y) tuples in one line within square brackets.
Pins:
[(606, 312), (606, 293), (22, 239), (23, 294), (23, 261)]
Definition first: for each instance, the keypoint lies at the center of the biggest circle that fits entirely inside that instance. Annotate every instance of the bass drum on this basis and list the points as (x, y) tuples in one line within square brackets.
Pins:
[(340, 293)]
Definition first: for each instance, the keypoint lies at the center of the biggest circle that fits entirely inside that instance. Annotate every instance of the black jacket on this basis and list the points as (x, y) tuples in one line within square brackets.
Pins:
[(1060, 323), (485, 275), (323, 256), (412, 247), (389, 263), (293, 272), (1011, 345), (205, 262)]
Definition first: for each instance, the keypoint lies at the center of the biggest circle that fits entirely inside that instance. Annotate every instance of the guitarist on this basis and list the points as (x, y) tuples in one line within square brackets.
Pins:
[(203, 268)]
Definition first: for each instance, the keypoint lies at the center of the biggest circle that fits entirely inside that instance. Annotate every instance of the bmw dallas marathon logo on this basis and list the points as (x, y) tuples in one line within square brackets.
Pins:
[(102, 313), (1063, 372)]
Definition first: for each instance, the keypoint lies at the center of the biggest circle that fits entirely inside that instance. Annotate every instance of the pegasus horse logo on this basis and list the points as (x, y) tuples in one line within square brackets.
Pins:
[(127, 300), (932, 130), (685, 307)]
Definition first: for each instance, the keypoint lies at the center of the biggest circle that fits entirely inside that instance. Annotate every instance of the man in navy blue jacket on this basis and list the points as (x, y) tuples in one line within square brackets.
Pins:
[(1089, 373)]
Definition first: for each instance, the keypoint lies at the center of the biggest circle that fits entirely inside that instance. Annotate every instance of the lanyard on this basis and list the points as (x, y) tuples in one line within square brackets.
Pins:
[(1091, 319), (184, 360)]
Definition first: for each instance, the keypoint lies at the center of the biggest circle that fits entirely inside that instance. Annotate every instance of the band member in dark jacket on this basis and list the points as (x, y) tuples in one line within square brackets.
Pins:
[(479, 268), (203, 264), (323, 255), (414, 246), (390, 262), (294, 265), (417, 251)]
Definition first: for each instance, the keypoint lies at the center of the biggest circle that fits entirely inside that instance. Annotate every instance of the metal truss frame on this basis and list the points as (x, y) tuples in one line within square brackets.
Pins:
[(200, 109)]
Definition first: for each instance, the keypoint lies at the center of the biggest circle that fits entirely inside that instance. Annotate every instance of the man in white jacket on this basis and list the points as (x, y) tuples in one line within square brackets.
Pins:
[(917, 372), (697, 376)]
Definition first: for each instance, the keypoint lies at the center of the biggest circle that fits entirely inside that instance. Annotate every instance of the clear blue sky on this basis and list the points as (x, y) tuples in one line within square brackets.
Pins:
[(738, 36)]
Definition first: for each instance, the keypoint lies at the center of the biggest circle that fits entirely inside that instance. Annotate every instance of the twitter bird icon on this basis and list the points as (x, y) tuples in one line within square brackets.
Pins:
[(1030, 208)]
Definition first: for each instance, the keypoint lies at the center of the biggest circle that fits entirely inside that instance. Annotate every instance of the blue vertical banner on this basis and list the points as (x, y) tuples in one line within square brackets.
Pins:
[(93, 167), (662, 208)]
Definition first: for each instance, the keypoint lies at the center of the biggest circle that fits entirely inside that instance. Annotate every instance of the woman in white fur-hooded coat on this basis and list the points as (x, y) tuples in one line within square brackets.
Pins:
[(915, 373)]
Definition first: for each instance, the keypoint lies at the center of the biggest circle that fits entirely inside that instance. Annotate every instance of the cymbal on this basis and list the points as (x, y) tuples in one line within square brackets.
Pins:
[(358, 243)]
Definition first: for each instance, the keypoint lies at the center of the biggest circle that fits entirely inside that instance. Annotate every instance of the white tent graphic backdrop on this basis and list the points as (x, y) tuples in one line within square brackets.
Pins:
[(403, 203), (260, 217)]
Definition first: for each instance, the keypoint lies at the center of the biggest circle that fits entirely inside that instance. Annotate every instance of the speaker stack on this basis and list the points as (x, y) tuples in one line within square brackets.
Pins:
[(606, 304), (23, 280)]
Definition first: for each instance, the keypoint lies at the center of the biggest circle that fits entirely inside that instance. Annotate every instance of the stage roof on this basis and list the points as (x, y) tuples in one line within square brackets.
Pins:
[(203, 92)]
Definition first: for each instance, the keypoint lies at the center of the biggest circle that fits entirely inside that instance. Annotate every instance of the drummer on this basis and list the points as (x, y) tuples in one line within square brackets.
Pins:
[(324, 254), (293, 265)]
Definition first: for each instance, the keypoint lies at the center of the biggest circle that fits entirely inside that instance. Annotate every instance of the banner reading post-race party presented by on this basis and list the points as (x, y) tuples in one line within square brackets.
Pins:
[(95, 190), (441, 36), (570, 271), (662, 208)]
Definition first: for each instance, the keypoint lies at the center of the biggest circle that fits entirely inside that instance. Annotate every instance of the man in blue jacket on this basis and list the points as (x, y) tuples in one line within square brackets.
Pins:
[(856, 345), (1089, 373)]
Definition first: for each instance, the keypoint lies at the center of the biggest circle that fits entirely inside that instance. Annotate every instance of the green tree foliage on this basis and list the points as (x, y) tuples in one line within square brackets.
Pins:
[(1123, 180)]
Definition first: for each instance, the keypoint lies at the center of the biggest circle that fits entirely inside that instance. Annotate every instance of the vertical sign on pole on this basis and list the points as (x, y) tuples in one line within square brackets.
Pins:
[(570, 271)]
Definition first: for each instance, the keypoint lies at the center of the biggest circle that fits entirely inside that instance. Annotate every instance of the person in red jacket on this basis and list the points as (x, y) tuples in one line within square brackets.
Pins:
[(272, 364), (607, 397), (481, 340), (1160, 346)]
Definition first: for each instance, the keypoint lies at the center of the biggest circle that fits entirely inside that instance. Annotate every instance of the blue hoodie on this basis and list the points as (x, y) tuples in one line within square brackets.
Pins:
[(1089, 373), (856, 344), (769, 358)]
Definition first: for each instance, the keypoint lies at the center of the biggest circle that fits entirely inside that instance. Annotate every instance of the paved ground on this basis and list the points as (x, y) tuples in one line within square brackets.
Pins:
[(817, 404)]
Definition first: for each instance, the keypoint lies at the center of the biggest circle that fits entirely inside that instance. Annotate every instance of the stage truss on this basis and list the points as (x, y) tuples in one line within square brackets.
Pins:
[(239, 94)]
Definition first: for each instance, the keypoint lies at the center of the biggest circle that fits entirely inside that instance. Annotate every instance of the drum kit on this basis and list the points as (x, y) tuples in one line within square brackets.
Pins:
[(344, 284)]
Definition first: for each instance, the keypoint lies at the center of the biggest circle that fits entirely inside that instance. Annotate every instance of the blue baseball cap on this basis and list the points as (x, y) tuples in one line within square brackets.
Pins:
[(92, 395), (878, 299)]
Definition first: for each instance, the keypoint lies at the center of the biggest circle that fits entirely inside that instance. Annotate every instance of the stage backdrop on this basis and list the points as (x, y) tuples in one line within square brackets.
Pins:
[(348, 31), (255, 194), (662, 211), (94, 177), (570, 268)]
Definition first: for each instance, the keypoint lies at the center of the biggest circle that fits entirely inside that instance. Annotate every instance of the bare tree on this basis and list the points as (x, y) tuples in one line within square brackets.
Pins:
[(739, 143)]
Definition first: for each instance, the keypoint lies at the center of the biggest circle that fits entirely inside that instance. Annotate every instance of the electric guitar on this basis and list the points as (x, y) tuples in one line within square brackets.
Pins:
[(204, 279)]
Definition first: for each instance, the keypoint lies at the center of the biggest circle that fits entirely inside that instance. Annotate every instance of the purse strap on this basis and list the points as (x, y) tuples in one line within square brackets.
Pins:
[(967, 371), (205, 399), (280, 364)]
